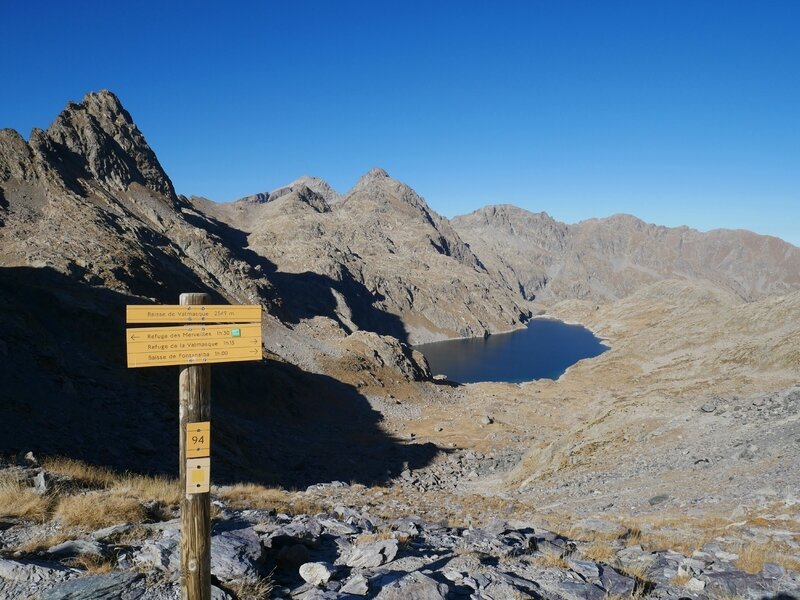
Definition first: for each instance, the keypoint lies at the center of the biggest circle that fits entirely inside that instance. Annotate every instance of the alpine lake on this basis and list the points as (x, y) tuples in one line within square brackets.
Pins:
[(545, 349)]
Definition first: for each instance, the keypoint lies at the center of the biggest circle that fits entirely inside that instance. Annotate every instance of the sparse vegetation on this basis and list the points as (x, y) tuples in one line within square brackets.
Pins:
[(91, 563), (18, 500), (252, 588), (600, 551), (752, 556), (551, 558)]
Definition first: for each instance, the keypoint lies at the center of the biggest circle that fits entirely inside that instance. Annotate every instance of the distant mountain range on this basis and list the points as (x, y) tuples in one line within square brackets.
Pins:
[(90, 221), (88, 198)]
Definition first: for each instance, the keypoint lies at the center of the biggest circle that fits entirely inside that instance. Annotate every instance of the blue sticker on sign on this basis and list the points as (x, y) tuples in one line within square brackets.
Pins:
[(236, 332)]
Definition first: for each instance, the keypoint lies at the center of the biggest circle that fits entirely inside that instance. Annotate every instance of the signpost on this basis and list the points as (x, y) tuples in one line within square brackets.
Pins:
[(193, 347)]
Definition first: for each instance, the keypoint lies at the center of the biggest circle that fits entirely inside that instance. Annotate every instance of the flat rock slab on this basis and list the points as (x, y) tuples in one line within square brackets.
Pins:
[(111, 586), (414, 586), (235, 553), (22, 579), (372, 555)]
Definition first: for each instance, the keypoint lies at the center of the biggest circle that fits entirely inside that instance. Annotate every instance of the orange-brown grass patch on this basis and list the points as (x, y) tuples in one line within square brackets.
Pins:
[(96, 510), (91, 563), (752, 556), (253, 588), (21, 501), (81, 472), (43, 541), (551, 558), (251, 495), (600, 551)]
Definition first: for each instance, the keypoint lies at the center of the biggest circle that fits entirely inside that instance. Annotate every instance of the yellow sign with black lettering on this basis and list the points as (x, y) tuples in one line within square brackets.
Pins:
[(163, 346), (198, 439), (194, 313)]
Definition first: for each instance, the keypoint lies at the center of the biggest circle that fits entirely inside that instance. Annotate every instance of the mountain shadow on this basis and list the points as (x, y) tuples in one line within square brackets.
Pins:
[(66, 391), (309, 294)]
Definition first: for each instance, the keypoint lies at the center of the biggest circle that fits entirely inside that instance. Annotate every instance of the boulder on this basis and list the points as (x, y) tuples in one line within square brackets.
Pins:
[(414, 586), (235, 553), (117, 585), (316, 573), (373, 554)]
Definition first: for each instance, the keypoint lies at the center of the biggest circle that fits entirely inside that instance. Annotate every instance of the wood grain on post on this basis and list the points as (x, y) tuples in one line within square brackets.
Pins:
[(195, 405)]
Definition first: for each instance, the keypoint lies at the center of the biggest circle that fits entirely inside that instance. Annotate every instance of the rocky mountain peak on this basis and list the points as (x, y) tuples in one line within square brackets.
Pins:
[(97, 139), (375, 173), (316, 184)]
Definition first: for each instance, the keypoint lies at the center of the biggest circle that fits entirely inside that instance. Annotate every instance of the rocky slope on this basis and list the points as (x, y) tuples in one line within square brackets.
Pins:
[(89, 223), (607, 259), (378, 252), (353, 545), (682, 437)]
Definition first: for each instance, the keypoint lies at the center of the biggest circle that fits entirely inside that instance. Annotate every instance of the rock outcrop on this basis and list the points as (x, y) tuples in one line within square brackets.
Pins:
[(607, 259), (379, 257)]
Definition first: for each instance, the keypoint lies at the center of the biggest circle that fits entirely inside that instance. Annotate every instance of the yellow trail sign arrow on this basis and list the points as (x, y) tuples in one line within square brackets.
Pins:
[(163, 346)]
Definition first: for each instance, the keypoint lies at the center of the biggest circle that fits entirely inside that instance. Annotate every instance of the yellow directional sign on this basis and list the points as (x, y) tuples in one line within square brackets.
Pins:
[(192, 357), (198, 439), (196, 313), (189, 345)]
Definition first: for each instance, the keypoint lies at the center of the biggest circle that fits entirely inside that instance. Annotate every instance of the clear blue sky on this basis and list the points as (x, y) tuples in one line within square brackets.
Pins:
[(678, 112)]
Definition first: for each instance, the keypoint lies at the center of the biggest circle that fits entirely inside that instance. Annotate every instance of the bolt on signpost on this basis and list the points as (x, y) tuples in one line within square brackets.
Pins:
[(193, 347)]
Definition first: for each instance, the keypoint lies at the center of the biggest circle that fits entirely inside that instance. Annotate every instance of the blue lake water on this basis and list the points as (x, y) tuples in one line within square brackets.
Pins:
[(543, 350)]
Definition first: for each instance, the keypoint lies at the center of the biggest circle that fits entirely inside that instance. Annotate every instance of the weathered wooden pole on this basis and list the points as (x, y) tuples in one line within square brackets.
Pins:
[(195, 406)]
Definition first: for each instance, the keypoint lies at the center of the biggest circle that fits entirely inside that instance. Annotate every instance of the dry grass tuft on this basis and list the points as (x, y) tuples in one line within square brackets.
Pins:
[(366, 538), (639, 571), (681, 578), (91, 563), (44, 541), (97, 510), (600, 551), (752, 556), (551, 558), (20, 501), (147, 488), (251, 495), (81, 472), (259, 588)]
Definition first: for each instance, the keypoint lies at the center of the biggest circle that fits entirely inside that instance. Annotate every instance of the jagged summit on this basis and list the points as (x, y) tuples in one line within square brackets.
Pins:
[(316, 184), (95, 139)]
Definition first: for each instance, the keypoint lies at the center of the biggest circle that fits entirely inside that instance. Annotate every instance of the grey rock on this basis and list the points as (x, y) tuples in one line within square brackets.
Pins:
[(40, 483), (735, 583), (316, 573), (75, 548), (615, 583), (708, 407), (219, 594), (235, 553), (574, 590), (772, 571), (414, 586), (357, 585), (695, 585), (117, 585), (658, 499), (162, 553), (373, 554), (585, 568)]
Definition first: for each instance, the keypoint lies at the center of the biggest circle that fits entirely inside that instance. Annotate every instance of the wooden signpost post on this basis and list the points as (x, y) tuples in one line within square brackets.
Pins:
[(194, 346)]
